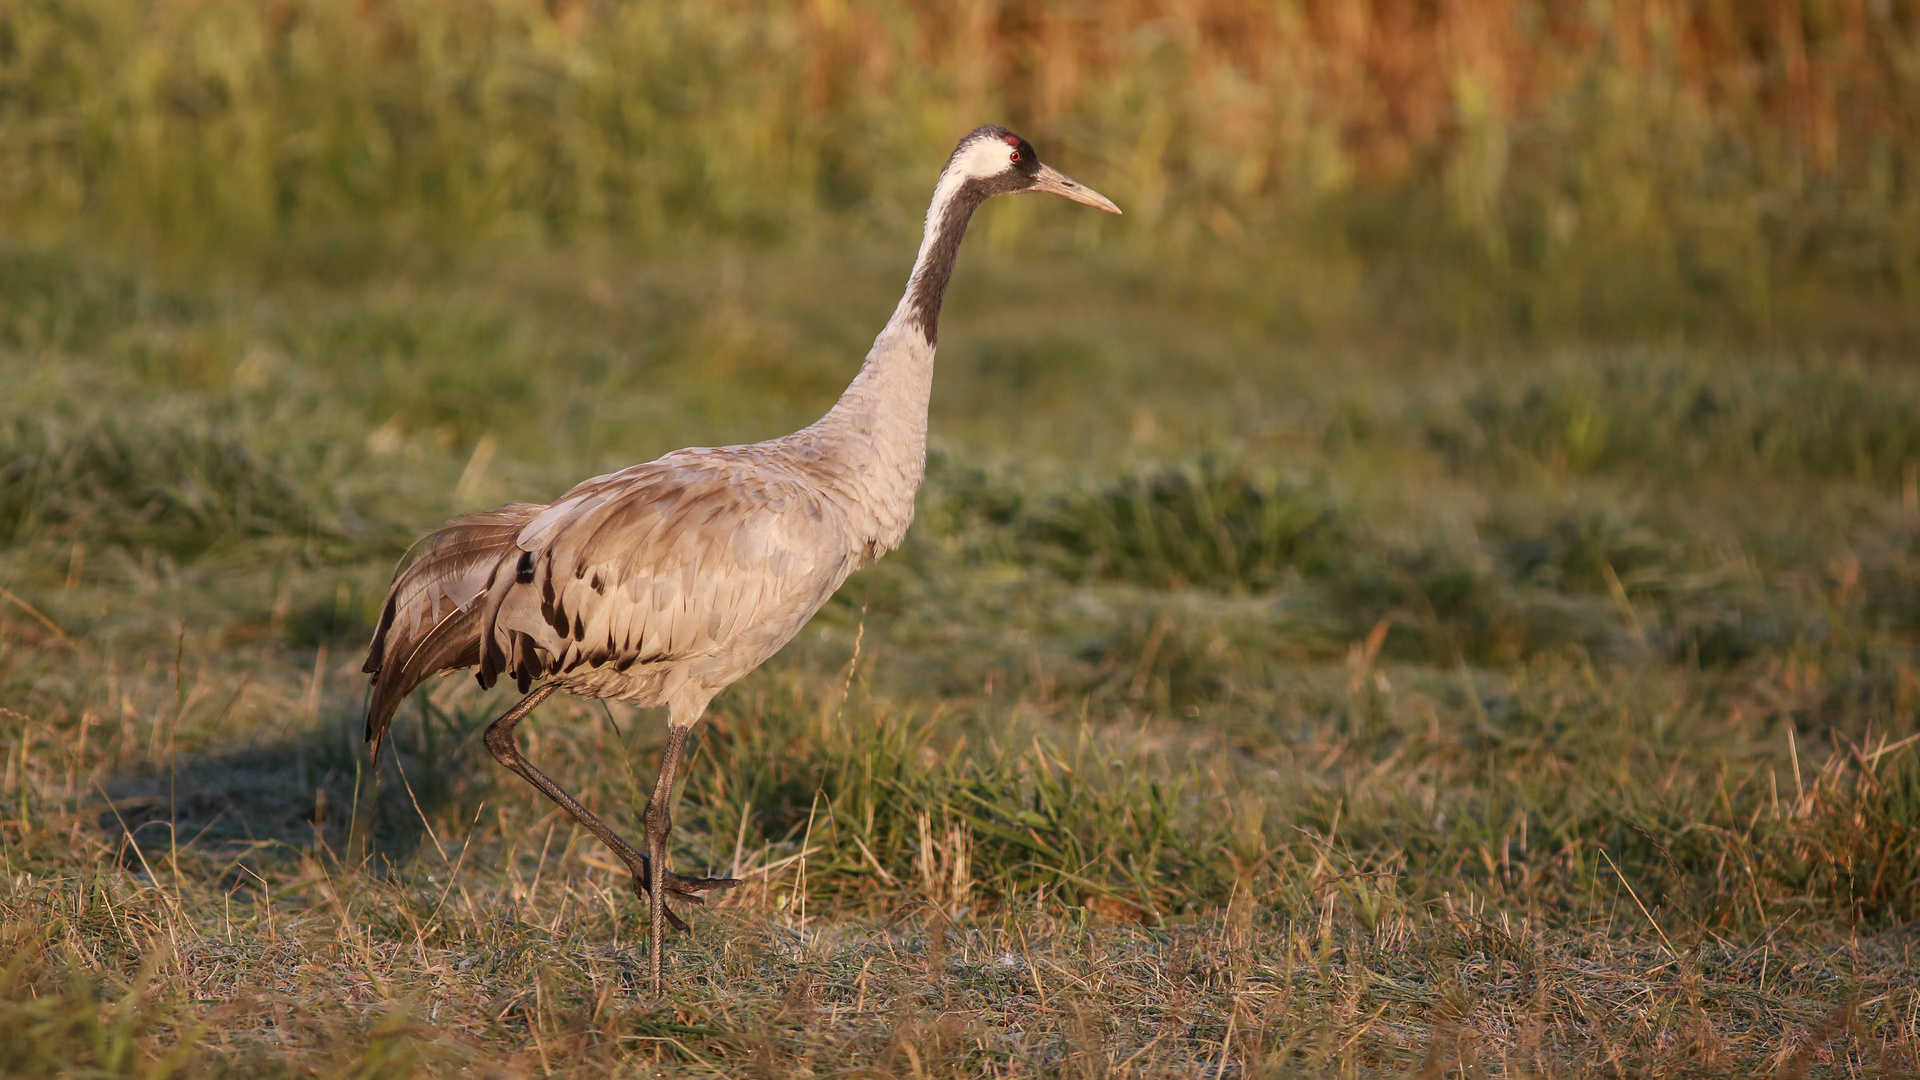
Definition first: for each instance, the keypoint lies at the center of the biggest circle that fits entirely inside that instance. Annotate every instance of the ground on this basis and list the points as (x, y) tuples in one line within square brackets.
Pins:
[(1240, 704)]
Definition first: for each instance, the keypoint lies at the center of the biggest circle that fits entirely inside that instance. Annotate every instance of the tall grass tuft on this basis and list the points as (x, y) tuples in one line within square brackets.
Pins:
[(900, 815), (1817, 418), (1213, 523), (185, 491)]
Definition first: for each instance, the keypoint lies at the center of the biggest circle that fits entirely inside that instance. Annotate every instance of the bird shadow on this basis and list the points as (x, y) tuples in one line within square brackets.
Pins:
[(245, 813)]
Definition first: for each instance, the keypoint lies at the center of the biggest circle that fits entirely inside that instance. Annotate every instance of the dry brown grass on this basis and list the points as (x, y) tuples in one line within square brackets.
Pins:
[(238, 910), (539, 981), (1536, 716)]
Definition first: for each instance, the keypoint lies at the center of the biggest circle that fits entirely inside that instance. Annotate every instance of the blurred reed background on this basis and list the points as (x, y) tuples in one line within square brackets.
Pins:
[(1467, 168)]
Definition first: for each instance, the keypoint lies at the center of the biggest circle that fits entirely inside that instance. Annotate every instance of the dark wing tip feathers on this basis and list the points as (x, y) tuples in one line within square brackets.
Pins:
[(405, 652)]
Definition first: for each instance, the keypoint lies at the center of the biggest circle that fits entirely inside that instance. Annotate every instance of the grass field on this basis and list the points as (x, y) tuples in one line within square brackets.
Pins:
[(1317, 653)]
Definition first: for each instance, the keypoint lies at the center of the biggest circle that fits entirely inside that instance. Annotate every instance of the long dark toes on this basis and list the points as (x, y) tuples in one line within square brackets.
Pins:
[(675, 921), (690, 885), (640, 891)]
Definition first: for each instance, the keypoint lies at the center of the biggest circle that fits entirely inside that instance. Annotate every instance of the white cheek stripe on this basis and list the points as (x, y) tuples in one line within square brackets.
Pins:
[(983, 157)]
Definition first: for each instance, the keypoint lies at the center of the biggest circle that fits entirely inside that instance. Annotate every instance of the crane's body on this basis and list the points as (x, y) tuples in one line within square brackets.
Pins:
[(663, 583)]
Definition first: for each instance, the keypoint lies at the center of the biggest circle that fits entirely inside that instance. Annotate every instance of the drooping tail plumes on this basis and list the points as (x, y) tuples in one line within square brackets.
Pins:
[(431, 622)]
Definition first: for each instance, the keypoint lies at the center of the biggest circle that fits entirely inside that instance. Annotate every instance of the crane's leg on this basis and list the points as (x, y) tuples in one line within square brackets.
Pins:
[(659, 828), (499, 740)]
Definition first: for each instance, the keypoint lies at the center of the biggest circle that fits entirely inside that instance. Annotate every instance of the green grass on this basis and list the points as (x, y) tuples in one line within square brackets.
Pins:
[(1236, 701)]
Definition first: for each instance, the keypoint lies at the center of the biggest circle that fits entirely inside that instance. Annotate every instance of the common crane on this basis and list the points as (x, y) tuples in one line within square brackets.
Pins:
[(663, 583)]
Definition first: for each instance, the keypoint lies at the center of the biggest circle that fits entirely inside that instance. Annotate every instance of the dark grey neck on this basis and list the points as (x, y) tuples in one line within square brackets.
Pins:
[(934, 269)]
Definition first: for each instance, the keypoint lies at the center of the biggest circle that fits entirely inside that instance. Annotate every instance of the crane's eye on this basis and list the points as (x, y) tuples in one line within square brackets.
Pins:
[(1014, 157)]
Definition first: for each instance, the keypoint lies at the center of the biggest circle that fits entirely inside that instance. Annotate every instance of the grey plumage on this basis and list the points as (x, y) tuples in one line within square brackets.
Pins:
[(665, 582), (659, 584)]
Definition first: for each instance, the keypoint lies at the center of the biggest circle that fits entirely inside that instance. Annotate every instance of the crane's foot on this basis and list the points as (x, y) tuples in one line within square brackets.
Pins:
[(688, 889), (692, 887)]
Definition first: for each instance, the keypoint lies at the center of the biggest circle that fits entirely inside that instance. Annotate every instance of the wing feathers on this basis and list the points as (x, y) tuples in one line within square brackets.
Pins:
[(682, 559), (435, 587)]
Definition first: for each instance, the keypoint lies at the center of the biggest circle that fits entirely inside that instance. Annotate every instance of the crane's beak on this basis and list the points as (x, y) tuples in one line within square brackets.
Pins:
[(1051, 179)]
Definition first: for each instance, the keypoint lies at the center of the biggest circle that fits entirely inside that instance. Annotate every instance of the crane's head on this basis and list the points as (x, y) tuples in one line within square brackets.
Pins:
[(994, 161)]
